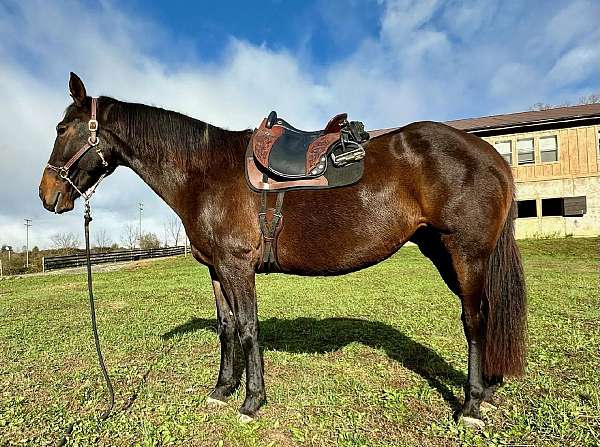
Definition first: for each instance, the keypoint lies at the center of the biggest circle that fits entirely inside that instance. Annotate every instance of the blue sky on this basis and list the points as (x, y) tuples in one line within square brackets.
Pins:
[(319, 31), (386, 62)]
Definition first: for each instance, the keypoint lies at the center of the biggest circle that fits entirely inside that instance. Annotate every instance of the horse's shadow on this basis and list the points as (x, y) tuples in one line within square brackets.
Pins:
[(310, 335)]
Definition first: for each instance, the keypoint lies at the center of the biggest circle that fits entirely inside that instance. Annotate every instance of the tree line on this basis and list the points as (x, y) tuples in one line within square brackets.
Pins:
[(589, 99), (65, 243)]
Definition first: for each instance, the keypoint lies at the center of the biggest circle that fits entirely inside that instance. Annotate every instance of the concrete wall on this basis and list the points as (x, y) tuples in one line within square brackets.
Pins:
[(586, 225)]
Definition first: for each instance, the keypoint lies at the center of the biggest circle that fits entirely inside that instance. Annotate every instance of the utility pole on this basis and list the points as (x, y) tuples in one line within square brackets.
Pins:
[(141, 205), (27, 225)]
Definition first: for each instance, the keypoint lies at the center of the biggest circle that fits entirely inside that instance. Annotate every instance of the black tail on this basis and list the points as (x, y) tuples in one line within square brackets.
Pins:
[(506, 306)]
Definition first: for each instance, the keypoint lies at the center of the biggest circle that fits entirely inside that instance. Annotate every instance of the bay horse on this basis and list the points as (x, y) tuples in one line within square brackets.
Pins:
[(444, 189)]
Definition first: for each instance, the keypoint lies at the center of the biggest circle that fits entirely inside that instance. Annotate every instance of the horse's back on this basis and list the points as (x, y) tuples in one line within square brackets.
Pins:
[(442, 149), (463, 183)]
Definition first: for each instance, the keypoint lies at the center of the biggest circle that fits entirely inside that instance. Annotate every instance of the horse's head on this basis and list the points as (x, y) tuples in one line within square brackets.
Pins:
[(82, 152)]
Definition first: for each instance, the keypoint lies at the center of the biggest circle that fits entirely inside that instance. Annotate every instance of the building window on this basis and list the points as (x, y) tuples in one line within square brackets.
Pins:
[(552, 207), (525, 151), (574, 206), (564, 206), (504, 148), (548, 149), (526, 208)]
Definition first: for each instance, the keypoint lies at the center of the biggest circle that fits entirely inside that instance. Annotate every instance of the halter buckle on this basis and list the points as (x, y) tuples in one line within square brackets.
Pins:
[(101, 155), (93, 142), (63, 173), (93, 125)]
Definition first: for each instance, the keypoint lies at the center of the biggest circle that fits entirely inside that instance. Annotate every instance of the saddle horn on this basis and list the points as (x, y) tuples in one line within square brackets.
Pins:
[(271, 119)]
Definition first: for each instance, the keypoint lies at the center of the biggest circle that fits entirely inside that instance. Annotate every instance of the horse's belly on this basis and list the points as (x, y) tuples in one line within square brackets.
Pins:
[(341, 239)]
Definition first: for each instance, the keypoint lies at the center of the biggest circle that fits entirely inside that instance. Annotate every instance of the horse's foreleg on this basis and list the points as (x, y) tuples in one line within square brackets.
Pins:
[(238, 284), (230, 371)]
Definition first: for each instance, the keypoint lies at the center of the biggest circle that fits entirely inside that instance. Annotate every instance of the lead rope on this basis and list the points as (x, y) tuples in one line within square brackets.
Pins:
[(111, 393), (87, 217)]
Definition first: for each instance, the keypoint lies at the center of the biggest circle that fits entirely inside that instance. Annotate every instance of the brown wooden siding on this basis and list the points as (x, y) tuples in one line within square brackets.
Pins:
[(577, 154)]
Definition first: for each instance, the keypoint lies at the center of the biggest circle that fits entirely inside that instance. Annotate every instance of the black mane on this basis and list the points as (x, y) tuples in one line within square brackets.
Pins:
[(163, 134)]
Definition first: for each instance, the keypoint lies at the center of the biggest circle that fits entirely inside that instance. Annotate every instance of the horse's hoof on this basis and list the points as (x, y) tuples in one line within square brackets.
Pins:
[(244, 418), (487, 406), (212, 402), (474, 423)]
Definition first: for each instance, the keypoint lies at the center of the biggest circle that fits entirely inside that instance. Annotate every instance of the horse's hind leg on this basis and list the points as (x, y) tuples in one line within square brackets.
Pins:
[(230, 371), (491, 385), (470, 277), (465, 276)]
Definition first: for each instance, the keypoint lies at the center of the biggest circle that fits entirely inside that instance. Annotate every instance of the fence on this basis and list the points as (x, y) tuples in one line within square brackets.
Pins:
[(78, 260)]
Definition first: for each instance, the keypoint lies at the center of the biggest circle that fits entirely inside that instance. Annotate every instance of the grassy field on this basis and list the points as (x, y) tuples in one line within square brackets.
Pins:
[(373, 358)]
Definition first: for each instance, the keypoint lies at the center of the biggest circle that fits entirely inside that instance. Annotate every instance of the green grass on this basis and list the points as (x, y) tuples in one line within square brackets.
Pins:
[(374, 358)]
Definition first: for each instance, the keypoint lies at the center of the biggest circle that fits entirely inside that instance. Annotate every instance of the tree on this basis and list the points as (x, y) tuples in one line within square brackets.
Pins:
[(173, 229), (165, 235), (65, 241), (590, 99), (102, 240), (539, 106), (149, 241), (129, 236)]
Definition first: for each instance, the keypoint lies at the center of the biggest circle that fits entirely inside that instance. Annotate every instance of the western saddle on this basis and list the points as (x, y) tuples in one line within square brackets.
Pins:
[(281, 158)]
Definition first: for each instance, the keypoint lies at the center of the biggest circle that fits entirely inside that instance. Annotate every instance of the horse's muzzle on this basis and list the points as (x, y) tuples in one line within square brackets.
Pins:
[(55, 194)]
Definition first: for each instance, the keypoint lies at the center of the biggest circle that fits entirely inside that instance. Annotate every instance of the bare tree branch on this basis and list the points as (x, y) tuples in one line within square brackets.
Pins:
[(65, 241), (102, 241), (129, 237), (173, 227), (590, 99)]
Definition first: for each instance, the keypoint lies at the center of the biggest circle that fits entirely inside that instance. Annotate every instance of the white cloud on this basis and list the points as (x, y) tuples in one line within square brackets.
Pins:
[(571, 24), (575, 66), (430, 60), (465, 19), (513, 78)]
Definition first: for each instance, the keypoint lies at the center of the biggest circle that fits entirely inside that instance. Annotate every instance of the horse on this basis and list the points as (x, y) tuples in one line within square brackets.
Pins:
[(446, 190)]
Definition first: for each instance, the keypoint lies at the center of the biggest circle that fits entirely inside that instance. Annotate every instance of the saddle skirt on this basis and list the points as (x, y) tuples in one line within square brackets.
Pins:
[(281, 158)]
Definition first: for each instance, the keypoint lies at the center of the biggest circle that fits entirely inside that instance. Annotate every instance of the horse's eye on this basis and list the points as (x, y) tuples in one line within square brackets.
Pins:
[(61, 129)]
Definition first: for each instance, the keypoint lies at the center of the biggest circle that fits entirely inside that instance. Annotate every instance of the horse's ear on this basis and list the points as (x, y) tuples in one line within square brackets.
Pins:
[(77, 89)]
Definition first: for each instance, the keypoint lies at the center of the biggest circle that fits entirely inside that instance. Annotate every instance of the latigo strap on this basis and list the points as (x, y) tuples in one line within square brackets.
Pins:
[(270, 230)]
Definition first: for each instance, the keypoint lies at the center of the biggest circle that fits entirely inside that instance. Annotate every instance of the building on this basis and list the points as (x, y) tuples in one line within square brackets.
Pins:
[(555, 160)]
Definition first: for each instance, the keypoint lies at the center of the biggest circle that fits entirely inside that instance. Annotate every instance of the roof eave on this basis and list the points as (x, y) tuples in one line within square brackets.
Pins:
[(530, 124)]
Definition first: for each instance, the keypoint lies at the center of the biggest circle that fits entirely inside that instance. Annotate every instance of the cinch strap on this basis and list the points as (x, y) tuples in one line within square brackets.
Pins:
[(269, 230)]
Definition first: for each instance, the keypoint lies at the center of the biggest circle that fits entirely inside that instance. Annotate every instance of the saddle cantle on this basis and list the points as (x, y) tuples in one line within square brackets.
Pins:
[(281, 157)]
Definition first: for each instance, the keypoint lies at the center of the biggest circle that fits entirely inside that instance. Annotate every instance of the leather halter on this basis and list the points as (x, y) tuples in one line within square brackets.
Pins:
[(92, 141)]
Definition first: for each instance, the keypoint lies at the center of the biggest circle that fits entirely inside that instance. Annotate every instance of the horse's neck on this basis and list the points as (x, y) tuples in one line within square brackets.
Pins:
[(173, 180), (163, 177)]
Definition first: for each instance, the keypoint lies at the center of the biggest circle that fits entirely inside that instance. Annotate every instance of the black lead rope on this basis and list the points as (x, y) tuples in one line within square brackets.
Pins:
[(111, 394), (109, 387)]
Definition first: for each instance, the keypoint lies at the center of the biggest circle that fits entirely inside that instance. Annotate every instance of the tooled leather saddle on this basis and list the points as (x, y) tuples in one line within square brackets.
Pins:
[(281, 158)]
